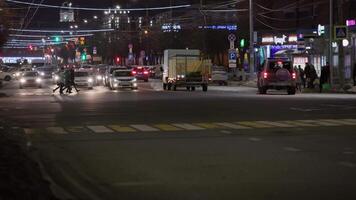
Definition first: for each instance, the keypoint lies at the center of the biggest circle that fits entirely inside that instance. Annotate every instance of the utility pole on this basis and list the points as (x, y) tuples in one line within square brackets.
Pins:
[(341, 52), (331, 29), (252, 49)]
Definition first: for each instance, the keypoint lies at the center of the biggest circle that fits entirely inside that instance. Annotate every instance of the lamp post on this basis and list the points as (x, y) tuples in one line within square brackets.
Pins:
[(331, 29), (252, 50)]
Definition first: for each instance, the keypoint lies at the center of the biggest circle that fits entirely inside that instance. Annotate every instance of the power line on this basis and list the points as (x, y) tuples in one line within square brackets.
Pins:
[(62, 31), (98, 9)]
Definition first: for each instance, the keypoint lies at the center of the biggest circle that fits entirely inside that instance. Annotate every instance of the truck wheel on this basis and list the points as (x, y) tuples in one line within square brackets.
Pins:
[(164, 86), (291, 91), (262, 90), (7, 78), (205, 88), (188, 88), (193, 88)]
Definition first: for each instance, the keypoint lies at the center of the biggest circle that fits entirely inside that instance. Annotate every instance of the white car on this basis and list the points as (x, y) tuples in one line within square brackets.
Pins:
[(6, 73), (219, 76), (123, 79), (84, 79), (30, 78)]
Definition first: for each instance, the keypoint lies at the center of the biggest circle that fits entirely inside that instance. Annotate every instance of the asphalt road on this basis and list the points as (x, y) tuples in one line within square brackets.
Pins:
[(228, 143)]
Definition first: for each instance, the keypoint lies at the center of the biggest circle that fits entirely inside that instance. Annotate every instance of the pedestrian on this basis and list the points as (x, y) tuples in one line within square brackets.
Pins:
[(324, 76), (60, 82), (72, 79), (298, 79), (67, 81), (301, 75), (313, 76), (307, 73), (354, 74)]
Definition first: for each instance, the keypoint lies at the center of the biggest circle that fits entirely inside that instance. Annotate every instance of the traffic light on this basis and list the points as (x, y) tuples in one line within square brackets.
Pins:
[(84, 57), (57, 39), (82, 40), (242, 43), (30, 47)]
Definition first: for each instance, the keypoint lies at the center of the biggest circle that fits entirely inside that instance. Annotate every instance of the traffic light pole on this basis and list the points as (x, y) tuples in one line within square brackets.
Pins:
[(252, 49), (331, 29)]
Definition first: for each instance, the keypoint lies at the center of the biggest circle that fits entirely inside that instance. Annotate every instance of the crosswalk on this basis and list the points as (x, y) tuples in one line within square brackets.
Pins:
[(188, 127)]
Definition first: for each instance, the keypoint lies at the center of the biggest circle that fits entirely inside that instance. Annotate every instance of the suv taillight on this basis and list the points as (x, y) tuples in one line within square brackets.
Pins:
[(265, 75), (294, 75), (145, 72)]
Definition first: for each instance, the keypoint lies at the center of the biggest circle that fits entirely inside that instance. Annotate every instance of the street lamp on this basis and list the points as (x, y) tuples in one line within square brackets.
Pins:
[(85, 21), (251, 50)]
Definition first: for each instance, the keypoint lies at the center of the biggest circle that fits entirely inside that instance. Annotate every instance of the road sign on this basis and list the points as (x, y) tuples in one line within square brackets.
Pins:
[(232, 58), (340, 32), (231, 37), (301, 44)]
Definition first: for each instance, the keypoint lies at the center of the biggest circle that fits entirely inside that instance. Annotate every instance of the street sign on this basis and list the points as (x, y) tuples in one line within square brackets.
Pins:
[(231, 37), (301, 44), (232, 58), (340, 32)]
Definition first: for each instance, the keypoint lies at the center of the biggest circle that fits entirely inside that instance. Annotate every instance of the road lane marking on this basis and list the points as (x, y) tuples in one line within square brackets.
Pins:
[(167, 127), (190, 127), (338, 121), (122, 129), (76, 129), (144, 128), (300, 124), (232, 126), (31, 131), (255, 124), (100, 129), (351, 120), (318, 122), (277, 124), (208, 125), (56, 130), (292, 149)]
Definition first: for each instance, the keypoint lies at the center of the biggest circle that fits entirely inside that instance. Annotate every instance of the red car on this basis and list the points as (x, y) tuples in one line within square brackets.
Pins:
[(141, 73)]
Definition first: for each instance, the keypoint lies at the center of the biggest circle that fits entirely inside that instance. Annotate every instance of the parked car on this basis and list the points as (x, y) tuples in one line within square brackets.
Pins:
[(123, 79), (219, 76), (277, 73), (30, 78)]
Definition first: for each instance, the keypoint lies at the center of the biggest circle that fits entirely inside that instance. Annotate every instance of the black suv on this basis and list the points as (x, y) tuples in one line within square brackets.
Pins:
[(276, 73)]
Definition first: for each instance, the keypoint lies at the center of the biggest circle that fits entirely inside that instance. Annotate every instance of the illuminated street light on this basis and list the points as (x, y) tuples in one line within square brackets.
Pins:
[(95, 17), (85, 21), (118, 7)]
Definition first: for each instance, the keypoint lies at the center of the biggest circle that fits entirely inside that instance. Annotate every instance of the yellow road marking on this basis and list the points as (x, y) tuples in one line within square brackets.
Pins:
[(208, 125), (254, 124), (122, 129), (298, 123), (167, 127)]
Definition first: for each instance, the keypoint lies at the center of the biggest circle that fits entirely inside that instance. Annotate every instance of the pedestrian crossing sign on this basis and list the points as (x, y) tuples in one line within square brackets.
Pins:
[(340, 32)]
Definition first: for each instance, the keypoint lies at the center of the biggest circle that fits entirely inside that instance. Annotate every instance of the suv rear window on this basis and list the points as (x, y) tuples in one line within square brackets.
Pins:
[(276, 65), (81, 74)]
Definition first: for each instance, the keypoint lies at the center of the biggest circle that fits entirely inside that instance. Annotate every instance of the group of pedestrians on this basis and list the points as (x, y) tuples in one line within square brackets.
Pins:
[(308, 77), (65, 81)]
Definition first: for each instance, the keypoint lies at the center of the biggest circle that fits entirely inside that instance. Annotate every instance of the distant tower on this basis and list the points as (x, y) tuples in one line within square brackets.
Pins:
[(66, 13)]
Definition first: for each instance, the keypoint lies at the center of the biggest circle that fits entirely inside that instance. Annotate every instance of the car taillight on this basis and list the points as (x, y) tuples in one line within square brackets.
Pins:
[(134, 72), (145, 72), (265, 75), (294, 75)]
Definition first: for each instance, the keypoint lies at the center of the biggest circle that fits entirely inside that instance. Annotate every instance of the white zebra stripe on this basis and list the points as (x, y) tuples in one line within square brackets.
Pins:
[(57, 130), (233, 126), (100, 129), (189, 127), (144, 127)]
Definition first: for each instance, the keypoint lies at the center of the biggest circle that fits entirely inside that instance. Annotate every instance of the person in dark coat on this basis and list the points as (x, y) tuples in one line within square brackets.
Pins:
[(307, 73), (301, 75), (312, 77), (325, 76)]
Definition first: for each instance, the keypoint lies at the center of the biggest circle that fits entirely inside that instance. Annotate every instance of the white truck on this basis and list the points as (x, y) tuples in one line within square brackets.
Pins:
[(185, 68)]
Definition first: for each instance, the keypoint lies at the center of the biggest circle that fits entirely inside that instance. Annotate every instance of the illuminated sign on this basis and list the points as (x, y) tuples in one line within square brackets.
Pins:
[(321, 30), (350, 22), (171, 28), (220, 27), (280, 40)]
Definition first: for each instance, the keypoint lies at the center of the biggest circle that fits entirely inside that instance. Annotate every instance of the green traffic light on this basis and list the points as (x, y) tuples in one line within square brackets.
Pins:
[(84, 57), (242, 43), (57, 39)]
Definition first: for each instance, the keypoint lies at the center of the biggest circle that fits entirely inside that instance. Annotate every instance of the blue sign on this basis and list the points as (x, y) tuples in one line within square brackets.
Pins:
[(232, 55)]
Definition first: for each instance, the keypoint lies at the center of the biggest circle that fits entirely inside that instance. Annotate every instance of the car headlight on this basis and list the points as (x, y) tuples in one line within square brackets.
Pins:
[(115, 80), (42, 73), (134, 80), (38, 80), (135, 84), (99, 77), (182, 76), (56, 77), (17, 74), (90, 80), (22, 80), (115, 85)]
